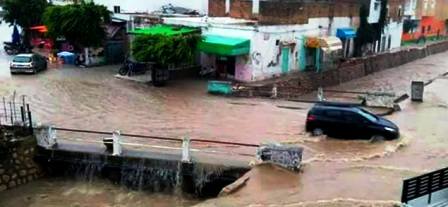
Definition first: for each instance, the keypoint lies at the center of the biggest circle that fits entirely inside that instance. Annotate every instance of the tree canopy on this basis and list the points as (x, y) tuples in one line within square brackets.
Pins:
[(165, 50), (25, 13), (81, 24)]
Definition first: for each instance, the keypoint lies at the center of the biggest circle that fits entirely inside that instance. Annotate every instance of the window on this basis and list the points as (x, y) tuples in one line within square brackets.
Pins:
[(429, 28), (376, 5), (423, 30), (333, 113), (368, 115), (277, 42), (117, 9), (22, 59)]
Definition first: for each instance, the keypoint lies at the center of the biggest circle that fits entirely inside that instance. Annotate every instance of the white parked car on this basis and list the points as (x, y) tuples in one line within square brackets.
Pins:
[(28, 63)]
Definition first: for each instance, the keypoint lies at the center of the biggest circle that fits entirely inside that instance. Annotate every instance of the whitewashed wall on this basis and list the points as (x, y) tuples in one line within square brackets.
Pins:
[(394, 29), (265, 58), (152, 5), (374, 14)]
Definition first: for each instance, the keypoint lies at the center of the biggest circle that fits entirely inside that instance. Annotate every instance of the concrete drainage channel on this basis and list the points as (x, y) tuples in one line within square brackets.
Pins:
[(167, 169), (147, 173), (200, 177)]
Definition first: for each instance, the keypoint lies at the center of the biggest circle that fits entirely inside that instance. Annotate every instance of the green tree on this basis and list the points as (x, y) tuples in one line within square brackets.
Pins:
[(25, 13), (165, 50), (81, 24)]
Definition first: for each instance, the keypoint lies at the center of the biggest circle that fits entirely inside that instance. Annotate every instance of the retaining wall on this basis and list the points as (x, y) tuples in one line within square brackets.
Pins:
[(17, 165), (300, 83)]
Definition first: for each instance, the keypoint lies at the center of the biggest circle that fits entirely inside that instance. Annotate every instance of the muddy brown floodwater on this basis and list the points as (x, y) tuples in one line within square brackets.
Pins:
[(72, 193), (93, 99)]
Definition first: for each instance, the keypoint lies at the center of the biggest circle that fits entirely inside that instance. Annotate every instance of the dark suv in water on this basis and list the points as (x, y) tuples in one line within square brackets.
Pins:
[(348, 121)]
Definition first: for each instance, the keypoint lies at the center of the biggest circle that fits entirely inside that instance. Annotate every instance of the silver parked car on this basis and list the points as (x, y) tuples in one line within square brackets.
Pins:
[(28, 63)]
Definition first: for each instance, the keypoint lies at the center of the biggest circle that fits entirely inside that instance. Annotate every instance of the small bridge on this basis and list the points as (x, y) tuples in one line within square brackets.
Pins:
[(195, 166)]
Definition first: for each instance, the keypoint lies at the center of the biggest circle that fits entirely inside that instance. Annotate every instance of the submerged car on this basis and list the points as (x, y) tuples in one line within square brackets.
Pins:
[(349, 121), (28, 63)]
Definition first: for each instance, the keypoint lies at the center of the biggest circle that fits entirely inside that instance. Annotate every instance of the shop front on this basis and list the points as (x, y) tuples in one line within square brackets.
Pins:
[(226, 56), (347, 36), (322, 52)]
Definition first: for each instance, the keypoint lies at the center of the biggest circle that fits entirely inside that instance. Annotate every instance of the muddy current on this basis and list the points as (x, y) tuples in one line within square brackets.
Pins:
[(93, 99)]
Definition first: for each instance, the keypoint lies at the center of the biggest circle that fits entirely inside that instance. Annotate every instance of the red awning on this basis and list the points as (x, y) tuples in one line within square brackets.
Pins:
[(40, 28)]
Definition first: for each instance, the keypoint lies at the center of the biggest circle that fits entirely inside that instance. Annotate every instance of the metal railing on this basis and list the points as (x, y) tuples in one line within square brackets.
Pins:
[(424, 186), (15, 112), (156, 137), (115, 141)]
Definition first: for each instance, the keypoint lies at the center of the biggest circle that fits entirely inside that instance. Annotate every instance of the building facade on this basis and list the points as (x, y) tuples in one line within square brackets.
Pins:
[(425, 19), (392, 33), (274, 37)]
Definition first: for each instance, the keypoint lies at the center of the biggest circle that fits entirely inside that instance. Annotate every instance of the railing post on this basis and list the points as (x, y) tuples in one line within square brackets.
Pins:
[(186, 158), (4, 107), (116, 138), (30, 119), (320, 94), (52, 142), (11, 115), (22, 114)]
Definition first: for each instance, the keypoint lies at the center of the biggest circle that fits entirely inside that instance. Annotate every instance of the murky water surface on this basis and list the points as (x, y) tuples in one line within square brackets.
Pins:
[(93, 99), (72, 193)]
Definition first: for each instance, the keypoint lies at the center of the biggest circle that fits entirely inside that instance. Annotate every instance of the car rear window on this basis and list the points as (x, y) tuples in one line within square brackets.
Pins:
[(21, 59)]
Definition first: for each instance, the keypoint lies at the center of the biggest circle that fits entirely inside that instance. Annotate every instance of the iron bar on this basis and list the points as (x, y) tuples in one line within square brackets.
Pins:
[(154, 137), (22, 113), (30, 119), (4, 106), (12, 118)]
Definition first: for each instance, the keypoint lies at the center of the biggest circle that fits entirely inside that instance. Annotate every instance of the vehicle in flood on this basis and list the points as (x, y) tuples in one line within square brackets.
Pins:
[(348, 121), (28, 63)]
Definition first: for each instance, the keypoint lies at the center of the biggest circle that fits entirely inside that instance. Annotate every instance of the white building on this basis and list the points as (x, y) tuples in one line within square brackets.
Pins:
[(250, 52), (391, 37)]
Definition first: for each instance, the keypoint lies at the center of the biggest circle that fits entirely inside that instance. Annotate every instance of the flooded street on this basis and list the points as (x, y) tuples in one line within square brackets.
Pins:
[(93, 99), (62, 192)]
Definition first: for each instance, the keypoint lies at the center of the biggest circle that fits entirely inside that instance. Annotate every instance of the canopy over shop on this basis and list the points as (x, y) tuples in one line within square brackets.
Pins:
[(322, 50), (224, 51), (346, 35)]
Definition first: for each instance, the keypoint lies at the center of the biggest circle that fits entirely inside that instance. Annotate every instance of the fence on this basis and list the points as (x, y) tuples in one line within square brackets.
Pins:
[(47, 138), (426, 190), (15, 112)]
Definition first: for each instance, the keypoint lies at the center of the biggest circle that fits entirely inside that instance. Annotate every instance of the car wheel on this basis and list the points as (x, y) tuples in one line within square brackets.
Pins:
[(377, 138), (317, 132)]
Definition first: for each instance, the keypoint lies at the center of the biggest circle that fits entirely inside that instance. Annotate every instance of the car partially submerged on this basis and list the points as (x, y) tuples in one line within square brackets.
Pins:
[(28, 63), (349, 121)]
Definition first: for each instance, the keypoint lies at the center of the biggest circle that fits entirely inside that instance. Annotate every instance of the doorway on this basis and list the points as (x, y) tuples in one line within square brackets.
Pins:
[(225, 66), (285, 59)]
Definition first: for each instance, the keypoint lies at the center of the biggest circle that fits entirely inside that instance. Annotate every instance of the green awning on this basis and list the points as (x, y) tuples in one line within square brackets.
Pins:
[(225, 46), (164, 30)]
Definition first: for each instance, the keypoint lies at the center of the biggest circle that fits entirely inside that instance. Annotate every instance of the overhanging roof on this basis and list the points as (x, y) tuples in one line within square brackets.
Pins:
[(226, 46), (345, 33)]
